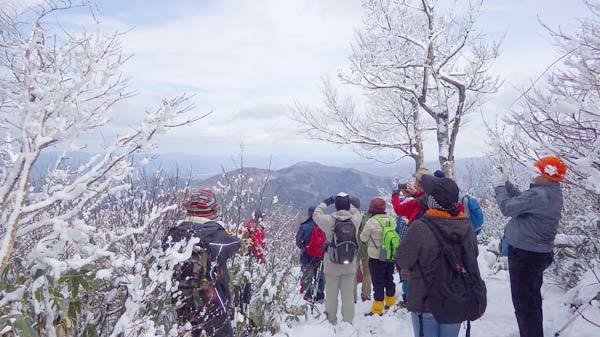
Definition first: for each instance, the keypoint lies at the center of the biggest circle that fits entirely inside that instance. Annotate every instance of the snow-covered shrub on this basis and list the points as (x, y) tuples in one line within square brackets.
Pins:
[(276, 279), (243, 191), (72, 263), (578, 245)]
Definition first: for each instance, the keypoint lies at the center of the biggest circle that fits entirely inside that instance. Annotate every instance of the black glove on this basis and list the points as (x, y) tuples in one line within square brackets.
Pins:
[(395, 192), (329, 201)]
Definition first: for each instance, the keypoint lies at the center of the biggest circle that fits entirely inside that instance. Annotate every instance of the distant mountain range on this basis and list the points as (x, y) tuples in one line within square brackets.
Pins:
[(302, 184), (306, 184)]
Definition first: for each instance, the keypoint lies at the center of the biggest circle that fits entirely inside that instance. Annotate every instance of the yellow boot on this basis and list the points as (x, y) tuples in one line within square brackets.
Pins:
[(376, 309), (390, 301)]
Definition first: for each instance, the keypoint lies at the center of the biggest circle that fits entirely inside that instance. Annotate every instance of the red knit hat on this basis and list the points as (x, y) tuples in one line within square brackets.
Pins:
[(552, 168), (377, 206), (202, 203)]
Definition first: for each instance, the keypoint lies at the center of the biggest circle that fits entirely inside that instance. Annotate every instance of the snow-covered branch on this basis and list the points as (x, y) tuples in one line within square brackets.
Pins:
[(56, 89)]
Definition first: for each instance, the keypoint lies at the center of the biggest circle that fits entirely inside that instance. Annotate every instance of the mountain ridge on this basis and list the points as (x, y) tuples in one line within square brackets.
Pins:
[(307, 183)]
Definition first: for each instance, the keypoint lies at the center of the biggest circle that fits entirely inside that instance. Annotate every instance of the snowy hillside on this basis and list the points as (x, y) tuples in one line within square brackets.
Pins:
[(498, 321)]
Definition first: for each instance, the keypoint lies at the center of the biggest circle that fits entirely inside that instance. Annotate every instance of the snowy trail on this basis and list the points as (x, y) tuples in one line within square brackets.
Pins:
[(498, 321)]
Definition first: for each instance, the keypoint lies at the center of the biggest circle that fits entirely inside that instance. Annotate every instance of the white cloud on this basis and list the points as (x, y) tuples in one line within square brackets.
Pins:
[(248, 59), (243, 58)]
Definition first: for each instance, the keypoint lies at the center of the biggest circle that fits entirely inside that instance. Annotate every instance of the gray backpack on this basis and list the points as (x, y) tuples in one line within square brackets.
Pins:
[(343, 245)]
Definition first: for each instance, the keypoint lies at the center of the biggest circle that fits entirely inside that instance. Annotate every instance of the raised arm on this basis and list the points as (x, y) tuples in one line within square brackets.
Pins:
[(320, 218), (403, 207), (517, 205), (512, 190)]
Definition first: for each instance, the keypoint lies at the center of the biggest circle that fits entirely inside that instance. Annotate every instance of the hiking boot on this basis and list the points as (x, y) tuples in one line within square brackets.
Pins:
[(365, 298), (308, 298), (370, 314), (390, 301), (376, 309), (320, 298)]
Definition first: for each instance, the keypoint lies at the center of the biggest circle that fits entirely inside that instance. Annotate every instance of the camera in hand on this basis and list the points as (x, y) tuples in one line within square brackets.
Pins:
[(402, 186)]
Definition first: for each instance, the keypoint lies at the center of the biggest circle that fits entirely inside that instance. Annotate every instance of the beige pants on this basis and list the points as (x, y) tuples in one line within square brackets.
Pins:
[(366, 278), (366, 274), (336, 285)]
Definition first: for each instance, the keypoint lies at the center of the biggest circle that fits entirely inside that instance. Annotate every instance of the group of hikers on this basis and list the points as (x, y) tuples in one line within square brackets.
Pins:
[(431, 241)]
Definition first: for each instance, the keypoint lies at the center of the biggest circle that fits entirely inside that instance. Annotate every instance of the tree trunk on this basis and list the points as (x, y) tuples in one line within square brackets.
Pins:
[(444, 157), (418, 146)]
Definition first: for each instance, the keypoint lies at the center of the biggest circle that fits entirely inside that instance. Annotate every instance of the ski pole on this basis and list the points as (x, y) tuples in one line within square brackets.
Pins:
[(577, 313), (315, 286)]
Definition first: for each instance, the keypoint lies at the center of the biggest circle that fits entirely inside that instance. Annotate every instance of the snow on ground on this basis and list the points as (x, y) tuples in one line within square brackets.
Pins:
[(498, 321)]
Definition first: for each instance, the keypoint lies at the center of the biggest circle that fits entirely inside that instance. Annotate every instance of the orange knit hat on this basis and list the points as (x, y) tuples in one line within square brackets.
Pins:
[(552, 168)]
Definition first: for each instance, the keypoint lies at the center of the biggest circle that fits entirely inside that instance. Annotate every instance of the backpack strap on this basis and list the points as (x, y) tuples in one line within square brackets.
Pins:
[(468, 334), (428, 284), (436, 233), (374, 244), (380, 220), (427, 287)]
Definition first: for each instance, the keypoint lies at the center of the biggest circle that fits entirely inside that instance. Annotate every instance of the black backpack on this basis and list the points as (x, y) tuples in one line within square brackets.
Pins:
[(456, 293), (197, 277), (344, 243)]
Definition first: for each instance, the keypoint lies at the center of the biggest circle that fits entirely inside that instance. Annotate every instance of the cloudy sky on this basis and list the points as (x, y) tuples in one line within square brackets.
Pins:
[(250, 60)]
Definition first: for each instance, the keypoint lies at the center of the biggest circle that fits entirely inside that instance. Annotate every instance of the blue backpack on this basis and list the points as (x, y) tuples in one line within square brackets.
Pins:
[(473, 212)]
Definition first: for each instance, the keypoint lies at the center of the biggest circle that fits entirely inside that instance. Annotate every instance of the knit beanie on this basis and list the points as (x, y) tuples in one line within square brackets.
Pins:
[(342, 201), (552, 168), (377, 206), (202, 203), (442, 193)]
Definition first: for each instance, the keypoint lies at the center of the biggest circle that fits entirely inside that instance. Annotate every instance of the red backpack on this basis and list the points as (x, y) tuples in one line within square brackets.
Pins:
[(316, 243)]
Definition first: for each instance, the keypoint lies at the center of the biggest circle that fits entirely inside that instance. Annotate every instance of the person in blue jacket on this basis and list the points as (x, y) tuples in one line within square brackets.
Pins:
[(312, 267)]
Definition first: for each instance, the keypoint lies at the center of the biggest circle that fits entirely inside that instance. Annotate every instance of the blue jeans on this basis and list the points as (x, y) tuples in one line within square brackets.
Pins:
[(431, 328)]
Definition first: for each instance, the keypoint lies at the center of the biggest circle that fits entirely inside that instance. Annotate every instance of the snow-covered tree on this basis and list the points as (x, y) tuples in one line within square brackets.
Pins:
[(60, 254), (387, 129), (416, 57), (562, 116)]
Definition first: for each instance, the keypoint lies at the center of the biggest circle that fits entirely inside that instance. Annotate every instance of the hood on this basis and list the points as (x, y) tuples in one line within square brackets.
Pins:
[(452, 229), (342, 214)]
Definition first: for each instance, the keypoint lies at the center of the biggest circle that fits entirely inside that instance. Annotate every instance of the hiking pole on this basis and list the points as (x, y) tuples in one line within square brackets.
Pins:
[(315, 286), (577, 313)]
